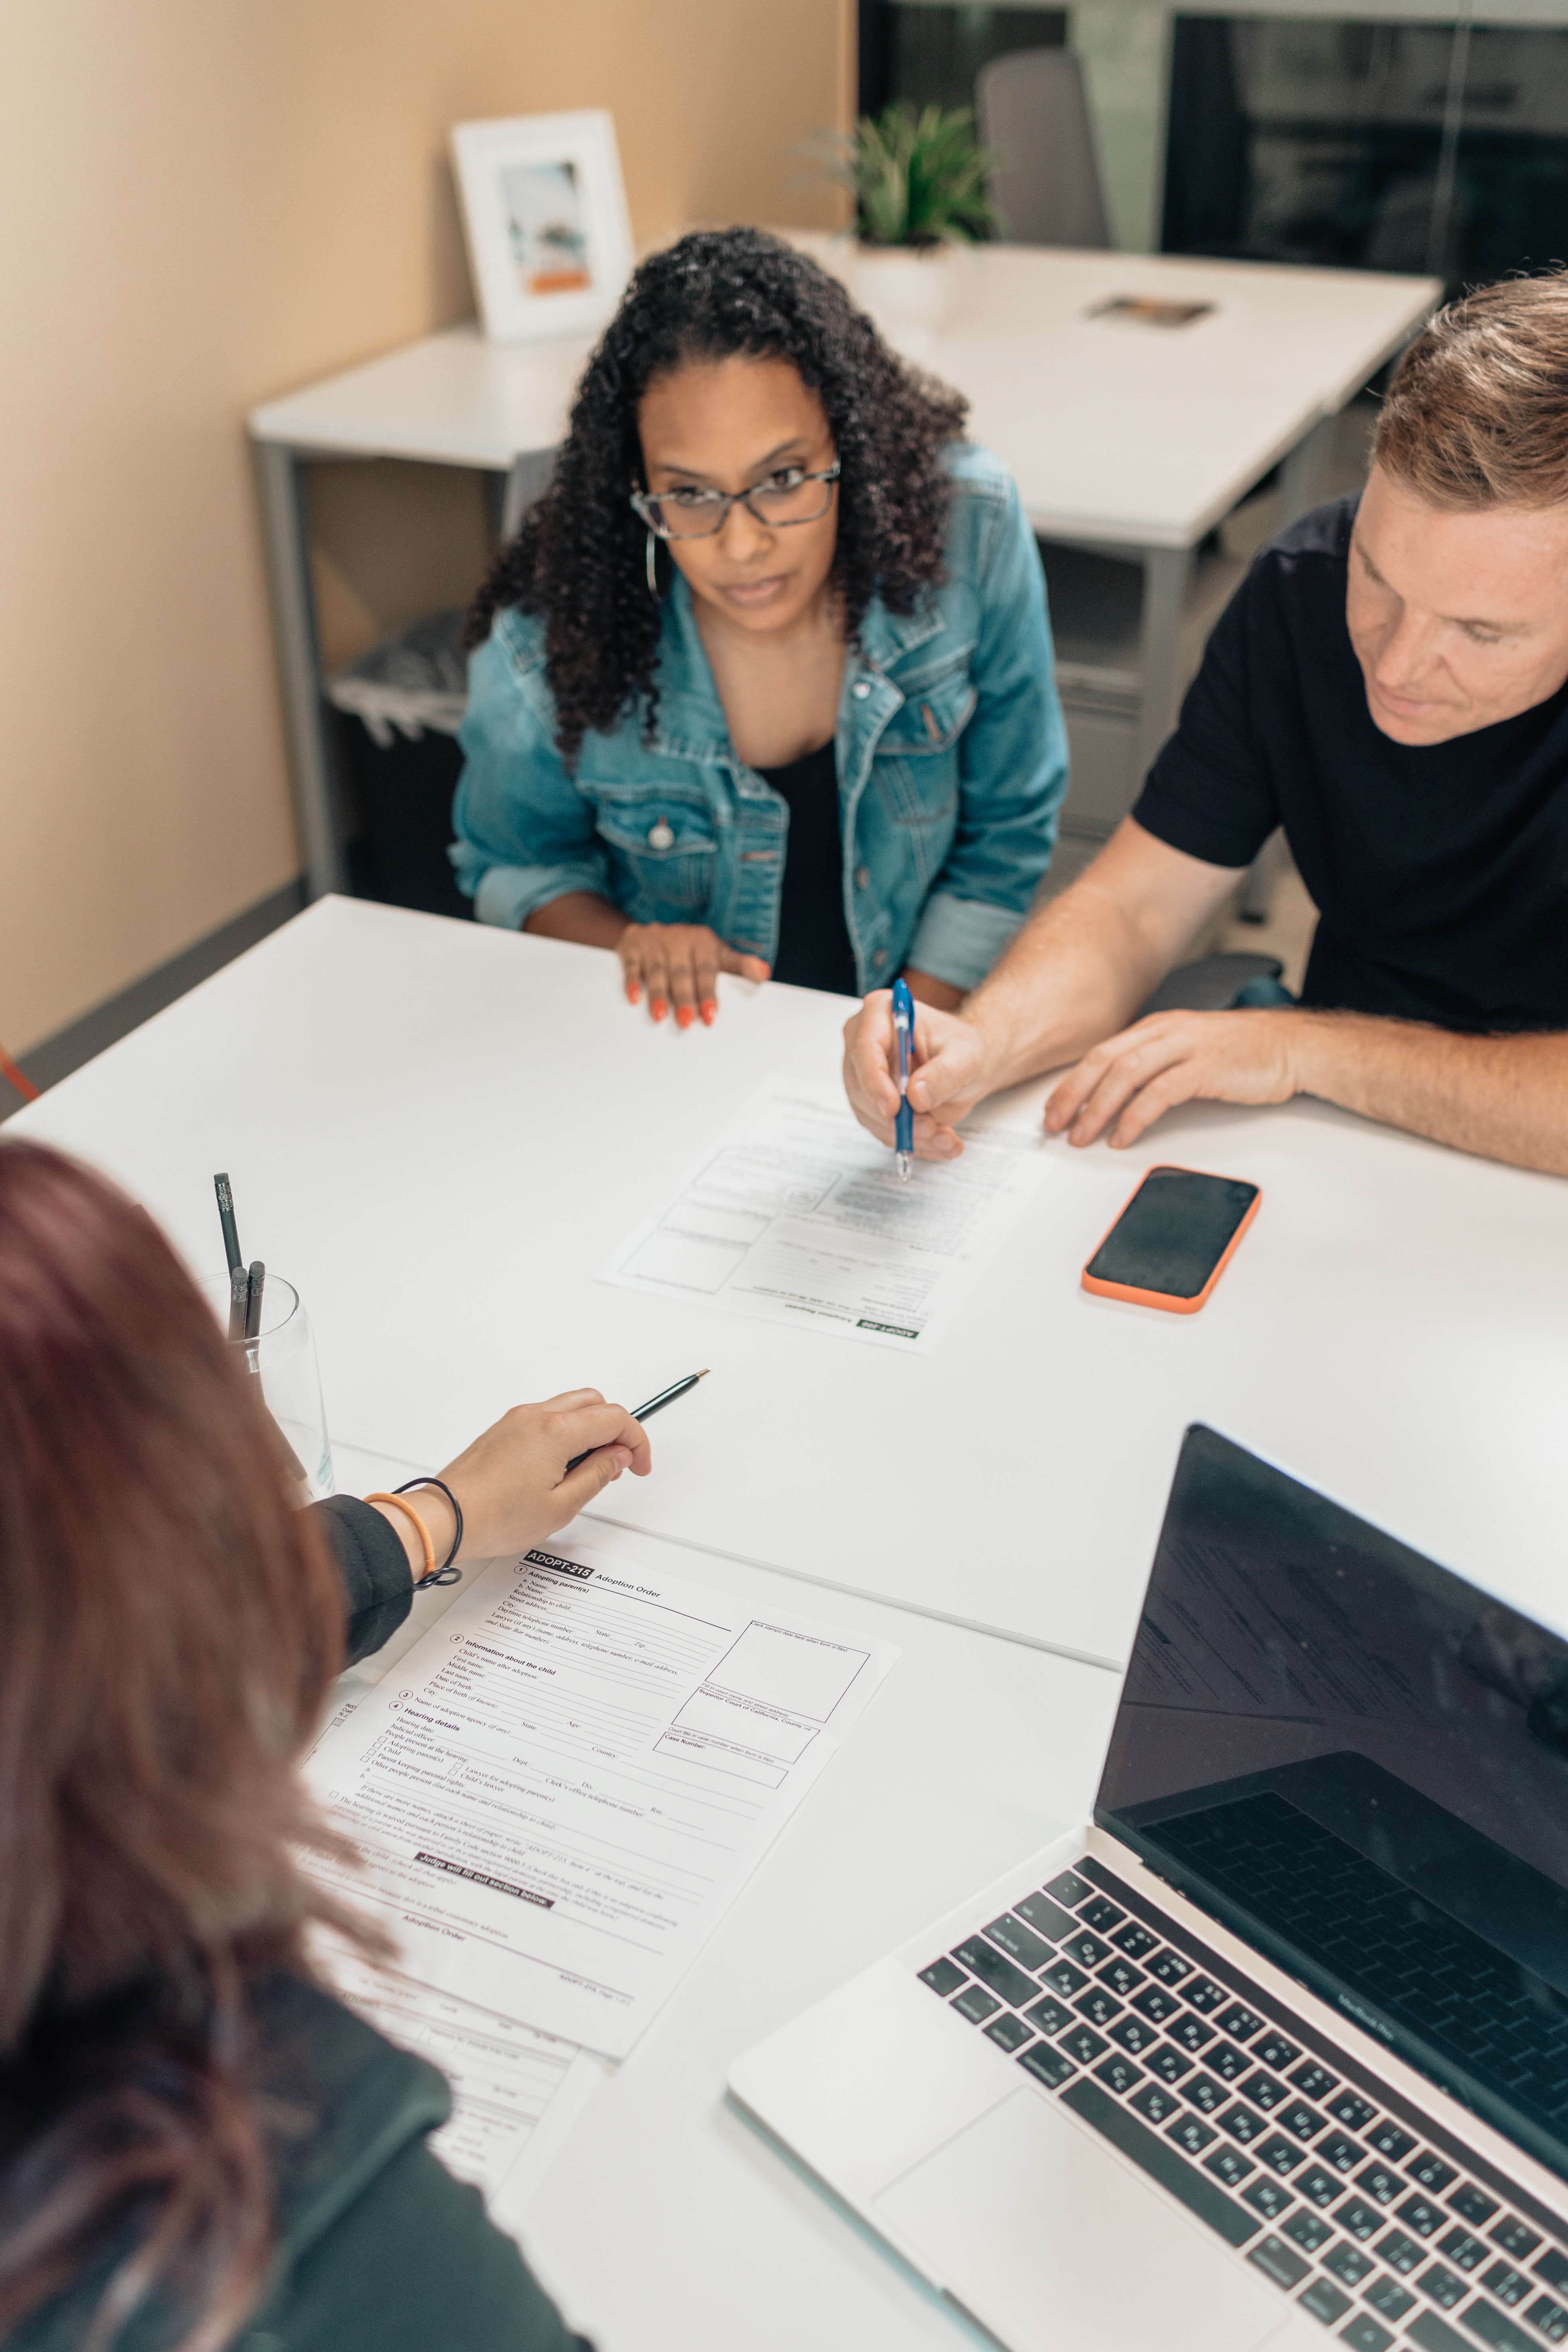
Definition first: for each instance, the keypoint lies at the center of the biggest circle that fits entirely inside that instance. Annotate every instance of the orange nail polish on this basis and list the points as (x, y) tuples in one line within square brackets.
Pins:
[(684, 1016), (634, 991), (709, 1010), (658, 1008)]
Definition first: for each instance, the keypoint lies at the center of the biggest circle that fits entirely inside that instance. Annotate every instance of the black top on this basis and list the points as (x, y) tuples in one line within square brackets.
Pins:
[(378, 1583), (814, 950), (379, 2249), (1440, 872)]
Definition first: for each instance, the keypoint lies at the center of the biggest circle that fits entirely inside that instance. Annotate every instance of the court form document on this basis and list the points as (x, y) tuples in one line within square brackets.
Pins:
[(558, 1792), (515, 2091), (796, 1215)]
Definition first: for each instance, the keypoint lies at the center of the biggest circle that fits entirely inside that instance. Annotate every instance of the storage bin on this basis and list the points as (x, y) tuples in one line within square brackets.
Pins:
[(401, 705)]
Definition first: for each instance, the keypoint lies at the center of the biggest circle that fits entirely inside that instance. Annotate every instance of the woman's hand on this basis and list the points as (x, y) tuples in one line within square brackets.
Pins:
[(513, 1483), (679, 964)]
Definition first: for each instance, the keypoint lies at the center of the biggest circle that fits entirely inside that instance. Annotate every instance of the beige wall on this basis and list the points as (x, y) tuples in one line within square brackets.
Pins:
[(205, 202)]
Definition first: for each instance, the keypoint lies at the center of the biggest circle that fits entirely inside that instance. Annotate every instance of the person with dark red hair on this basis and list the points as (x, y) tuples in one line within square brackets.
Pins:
[(199, 2146)]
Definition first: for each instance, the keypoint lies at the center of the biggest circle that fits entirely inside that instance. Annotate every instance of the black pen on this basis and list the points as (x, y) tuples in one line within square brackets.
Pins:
[(253, 1314), (239, 1303), (225, 1191), (654, 1404)]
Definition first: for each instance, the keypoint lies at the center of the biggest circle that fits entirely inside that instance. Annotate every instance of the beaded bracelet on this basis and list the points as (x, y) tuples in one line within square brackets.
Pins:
[(446, 1573)]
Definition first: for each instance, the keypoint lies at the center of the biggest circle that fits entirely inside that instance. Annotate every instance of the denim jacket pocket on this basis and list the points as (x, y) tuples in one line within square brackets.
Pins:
[(915, 770), (931, 721), (665, 845)]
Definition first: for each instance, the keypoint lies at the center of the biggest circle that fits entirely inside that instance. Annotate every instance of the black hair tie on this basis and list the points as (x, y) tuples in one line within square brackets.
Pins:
[(446, 1573)]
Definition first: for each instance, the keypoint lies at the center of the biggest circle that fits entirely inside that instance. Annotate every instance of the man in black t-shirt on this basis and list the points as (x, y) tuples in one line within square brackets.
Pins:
[(1390, 684)]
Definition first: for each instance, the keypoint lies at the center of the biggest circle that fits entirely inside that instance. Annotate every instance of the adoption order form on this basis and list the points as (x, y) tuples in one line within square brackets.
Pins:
[(560, 1789), (794, 1214)]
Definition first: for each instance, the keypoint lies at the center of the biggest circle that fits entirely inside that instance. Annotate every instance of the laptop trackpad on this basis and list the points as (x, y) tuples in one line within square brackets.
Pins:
[(1051, 2242)]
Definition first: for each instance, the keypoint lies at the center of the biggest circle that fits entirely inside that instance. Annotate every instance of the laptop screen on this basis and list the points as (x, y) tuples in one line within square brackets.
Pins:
[(1359, 1762)]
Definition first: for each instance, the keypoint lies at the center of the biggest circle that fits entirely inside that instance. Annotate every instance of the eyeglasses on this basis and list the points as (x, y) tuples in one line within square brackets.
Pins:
[(785, 499)]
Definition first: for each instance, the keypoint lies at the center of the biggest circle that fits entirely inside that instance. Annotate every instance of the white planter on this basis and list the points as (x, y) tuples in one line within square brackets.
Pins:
[(906, 290)]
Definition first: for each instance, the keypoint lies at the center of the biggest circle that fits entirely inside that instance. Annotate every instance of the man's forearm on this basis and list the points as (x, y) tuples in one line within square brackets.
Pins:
[(1502, 1097), (1076, 972), (1081, 967)]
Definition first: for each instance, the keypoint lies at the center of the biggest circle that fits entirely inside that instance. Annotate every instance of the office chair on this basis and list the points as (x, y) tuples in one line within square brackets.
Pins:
[(1220, 983), (1034, 110), (527, 478)]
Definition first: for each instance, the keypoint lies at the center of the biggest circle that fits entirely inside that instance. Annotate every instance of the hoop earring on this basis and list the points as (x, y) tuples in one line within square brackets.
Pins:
[(651, 566)]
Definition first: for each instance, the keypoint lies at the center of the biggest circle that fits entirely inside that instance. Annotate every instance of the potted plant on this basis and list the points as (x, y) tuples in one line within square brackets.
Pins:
[(919, 182)]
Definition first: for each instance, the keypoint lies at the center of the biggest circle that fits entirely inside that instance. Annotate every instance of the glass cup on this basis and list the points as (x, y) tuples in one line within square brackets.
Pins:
[(283, 1360)]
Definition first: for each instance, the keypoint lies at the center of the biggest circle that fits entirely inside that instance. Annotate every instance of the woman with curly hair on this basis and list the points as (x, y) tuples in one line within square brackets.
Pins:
[(763, 685)]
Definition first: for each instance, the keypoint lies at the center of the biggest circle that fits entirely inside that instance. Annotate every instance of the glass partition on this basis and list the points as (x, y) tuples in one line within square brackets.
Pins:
[(1438, 148), (930, 51)]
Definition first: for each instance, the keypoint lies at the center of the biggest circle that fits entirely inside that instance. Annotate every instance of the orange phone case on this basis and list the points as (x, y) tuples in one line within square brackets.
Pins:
[(1163, 1298)]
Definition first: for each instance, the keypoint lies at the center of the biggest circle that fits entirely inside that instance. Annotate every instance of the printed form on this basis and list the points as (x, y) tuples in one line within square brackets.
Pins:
[(796, 1215), (561, 1788)]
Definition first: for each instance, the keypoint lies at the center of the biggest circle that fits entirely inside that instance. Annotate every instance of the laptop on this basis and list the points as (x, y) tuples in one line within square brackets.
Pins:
[(1276, 2050)]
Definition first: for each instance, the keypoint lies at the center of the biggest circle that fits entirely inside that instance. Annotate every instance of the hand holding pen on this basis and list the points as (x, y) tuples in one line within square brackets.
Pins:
[(509, 1485), (645, 1412), (948, 1073), (513, 1484)]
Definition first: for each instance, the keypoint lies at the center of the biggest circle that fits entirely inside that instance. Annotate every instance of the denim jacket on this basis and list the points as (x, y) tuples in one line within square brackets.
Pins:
[(952, 759)]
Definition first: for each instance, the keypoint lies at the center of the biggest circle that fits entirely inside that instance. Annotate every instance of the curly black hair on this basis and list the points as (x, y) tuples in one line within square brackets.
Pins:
[(579, 557)]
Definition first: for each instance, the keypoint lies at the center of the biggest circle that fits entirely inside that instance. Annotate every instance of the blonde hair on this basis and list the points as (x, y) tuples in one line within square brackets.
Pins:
[(1476, 415)]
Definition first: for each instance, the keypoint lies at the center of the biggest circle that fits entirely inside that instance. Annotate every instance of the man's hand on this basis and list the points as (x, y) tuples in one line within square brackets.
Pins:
[(513, 1483), (949, 1080), (679, 964), (1125, 1084)]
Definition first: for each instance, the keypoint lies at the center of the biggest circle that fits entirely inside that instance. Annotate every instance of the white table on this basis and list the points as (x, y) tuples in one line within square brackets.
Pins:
[(1134, 437), (440, 1131)]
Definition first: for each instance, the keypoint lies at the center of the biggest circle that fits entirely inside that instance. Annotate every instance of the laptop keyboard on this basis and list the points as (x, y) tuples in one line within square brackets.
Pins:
[(1422, 1967), (1377, 2235)]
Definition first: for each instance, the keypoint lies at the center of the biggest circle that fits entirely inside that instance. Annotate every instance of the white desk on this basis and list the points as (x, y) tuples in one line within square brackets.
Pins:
[(1394, 1324), (1140, 438), (1394, 1327)]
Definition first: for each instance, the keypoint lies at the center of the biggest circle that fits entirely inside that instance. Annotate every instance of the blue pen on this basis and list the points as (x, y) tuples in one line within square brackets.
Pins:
[(904, 1125)]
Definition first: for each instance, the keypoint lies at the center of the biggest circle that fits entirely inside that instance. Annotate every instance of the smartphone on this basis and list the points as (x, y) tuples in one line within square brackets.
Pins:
[(1174, 1240)]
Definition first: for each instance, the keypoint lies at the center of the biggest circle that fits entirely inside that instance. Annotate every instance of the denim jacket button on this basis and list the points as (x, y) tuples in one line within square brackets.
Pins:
[(862, 877), (879, 958), (861, 689), (660, 836)]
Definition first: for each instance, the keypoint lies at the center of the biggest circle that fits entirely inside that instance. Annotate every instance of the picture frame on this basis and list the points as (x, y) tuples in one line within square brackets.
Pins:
[(544, 213)]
